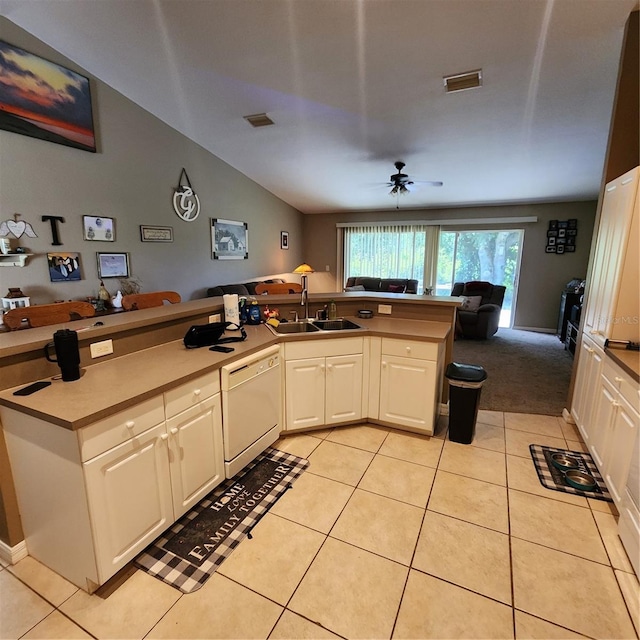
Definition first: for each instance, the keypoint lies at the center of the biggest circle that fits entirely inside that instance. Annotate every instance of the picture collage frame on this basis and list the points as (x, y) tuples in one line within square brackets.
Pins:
[(561, 236)]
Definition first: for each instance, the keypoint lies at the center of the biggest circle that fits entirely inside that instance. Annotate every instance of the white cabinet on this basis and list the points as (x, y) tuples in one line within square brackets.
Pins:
[(324, 388), (410, 384), (611, 307), (589, 367), (92, 499)]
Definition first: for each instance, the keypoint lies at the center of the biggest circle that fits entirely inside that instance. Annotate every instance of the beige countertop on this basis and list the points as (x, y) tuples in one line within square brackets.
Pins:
[(114, 385), (628, 360)]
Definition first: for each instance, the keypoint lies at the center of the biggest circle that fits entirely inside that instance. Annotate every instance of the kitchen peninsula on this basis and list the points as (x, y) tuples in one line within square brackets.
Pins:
[(132, 402)]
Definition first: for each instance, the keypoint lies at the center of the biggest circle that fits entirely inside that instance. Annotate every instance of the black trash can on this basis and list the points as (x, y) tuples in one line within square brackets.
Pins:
[(465, 384)]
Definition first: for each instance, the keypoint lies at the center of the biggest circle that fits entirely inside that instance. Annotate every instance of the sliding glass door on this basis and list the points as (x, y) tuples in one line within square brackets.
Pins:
[(493, 256)]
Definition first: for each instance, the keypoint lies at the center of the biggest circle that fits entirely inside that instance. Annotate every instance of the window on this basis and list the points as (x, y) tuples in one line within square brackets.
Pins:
[(391, 251), (493, 256)]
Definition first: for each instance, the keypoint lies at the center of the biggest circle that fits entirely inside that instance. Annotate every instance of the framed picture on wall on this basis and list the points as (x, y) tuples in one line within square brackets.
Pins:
[(284, 239), (64, 266), (45, 100), (113, 265), (156, 234), (229, 239), (550, 249), (98, 228)]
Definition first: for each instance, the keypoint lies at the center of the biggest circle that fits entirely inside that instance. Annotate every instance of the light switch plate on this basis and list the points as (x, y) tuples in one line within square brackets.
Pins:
[(103, 348), (384, 308)]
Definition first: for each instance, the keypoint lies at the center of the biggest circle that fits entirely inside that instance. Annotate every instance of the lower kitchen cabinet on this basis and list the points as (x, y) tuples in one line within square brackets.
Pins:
[(323, 390), (92, 499)]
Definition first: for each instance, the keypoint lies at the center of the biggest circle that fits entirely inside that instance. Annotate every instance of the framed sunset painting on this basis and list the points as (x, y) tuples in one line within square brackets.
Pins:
[(44, 100)]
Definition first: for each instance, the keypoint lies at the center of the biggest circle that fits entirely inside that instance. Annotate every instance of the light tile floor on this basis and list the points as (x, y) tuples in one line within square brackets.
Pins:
[(386, 535)]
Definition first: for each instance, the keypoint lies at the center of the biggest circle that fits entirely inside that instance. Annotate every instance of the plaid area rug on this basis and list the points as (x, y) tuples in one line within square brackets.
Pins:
[(188, 553), (552, 478)]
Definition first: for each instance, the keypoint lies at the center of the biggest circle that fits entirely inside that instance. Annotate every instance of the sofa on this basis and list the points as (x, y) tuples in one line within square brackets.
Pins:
[(242, 289), (479, 315), (386, 285)]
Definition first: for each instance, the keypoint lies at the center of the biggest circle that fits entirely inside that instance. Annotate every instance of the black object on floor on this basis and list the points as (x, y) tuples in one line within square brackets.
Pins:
[(188, 553), (465, 385), (553, 478)]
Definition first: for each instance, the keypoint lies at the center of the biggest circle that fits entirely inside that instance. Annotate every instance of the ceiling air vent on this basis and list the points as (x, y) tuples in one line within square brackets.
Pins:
[(463, 81), (259, 120)]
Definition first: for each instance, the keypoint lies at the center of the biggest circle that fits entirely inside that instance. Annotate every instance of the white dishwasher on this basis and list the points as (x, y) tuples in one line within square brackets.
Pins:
[(251, 407)]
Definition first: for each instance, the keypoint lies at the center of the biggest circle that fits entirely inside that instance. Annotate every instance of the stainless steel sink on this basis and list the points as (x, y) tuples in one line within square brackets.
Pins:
[(293, 327), (336, 325)]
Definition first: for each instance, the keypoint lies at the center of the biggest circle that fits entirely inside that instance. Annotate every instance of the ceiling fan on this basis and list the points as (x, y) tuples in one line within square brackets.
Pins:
[(399, 182)]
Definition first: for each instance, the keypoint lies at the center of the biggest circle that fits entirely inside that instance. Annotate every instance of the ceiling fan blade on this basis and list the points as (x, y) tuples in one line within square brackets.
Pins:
[(430, 183)]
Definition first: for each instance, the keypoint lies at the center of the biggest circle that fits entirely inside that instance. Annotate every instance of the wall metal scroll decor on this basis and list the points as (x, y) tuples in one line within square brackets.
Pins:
[(185, 200)]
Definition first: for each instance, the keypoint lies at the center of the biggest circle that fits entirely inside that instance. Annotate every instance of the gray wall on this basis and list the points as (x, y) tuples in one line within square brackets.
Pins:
[(542, 276), (131, 179)]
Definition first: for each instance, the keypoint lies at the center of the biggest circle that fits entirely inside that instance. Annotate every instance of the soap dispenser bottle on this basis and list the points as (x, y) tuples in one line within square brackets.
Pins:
[(333, 312)]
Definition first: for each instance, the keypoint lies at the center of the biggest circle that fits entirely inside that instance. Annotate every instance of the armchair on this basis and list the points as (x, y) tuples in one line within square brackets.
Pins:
[(480, 315)]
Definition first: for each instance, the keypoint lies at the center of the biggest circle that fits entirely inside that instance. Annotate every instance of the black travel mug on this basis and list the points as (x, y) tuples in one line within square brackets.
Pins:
[(65, 343)]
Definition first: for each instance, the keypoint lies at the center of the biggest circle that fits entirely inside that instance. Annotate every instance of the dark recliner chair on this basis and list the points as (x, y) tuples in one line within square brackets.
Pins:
[(479, 320)]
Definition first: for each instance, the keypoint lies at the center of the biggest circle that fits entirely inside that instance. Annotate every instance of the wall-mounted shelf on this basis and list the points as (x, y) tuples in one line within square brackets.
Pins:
[(14, 259)]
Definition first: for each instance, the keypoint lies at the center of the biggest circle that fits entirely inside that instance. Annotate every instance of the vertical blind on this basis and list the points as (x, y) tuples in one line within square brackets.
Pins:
[(392, 251)]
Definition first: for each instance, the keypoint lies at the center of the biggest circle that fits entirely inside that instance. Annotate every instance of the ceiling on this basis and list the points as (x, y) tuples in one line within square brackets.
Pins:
[(354, 85)]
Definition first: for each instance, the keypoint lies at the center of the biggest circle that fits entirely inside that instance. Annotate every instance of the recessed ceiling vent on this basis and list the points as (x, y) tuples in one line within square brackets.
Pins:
[(463, 81), (259, 120)]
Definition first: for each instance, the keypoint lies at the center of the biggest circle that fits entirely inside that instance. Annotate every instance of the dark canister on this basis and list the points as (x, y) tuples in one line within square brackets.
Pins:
[(65, 343)]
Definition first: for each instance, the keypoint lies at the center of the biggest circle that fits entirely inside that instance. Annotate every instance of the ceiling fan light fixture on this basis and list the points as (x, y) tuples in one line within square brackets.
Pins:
[(463, 81), (259, 120)]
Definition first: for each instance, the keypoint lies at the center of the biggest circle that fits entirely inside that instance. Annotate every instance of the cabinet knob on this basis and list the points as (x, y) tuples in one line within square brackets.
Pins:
[(384, 364), (618, 379), (408, 349), (196, 392), (329, 366), (173, 431), (164, 436), (130, 424)]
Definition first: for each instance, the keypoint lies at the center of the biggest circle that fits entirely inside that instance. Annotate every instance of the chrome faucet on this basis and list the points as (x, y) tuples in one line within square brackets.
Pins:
[(304, 296), (295, 315)]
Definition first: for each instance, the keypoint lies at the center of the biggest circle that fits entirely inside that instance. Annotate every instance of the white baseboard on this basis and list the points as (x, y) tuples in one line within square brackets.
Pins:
[(536, 329), (567, 417), (11, 555)]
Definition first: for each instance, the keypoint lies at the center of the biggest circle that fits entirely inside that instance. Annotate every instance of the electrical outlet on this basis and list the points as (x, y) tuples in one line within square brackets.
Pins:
[(216, 317), (384, 308), (327, 267), (103, 348)]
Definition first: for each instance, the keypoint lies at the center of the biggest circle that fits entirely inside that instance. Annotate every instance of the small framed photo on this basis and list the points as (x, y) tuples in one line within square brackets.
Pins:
[(561, 241), (562, 233), (573, 223), (550, 249), (563, 224), (156, 234), (64, 267), (113, 265), (98, 228), (552, 233), (560, 248), (553, 224), (551, 242), (284, 239), (229, 239), (569, 248), (572, 232), (571, 240)]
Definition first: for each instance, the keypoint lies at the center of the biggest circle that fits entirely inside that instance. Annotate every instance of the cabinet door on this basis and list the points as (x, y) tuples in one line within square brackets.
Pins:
[(408, 392), (621, 448), (304, 393), (601, 422), (129, 497), (587, 379), (196, 458), (343, 395)]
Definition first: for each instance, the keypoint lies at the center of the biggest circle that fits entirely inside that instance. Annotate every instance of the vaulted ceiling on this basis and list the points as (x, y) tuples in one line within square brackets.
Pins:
[(354, 85)]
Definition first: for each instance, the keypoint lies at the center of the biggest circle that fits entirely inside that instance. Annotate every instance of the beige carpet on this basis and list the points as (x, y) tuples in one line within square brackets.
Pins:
[(527, 372)]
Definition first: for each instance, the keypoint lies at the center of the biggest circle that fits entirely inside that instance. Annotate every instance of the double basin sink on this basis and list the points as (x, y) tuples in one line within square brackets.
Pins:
[(310, 326)]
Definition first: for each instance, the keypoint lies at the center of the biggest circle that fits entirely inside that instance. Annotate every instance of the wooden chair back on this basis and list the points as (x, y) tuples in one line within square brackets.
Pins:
[(278, 287), (41, 315), (149, 300)]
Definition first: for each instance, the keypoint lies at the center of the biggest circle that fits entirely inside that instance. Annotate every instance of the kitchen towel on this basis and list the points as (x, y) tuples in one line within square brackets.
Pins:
[(231, 310)]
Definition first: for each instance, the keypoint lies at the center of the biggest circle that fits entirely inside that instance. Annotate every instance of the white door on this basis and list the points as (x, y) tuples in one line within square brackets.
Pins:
[(305, 392), (407, 392), (196, 454), (623, 438), (129, 495), (343, 395)]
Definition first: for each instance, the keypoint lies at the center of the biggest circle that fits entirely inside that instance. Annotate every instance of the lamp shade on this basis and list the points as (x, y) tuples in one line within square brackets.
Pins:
[(304, 268)]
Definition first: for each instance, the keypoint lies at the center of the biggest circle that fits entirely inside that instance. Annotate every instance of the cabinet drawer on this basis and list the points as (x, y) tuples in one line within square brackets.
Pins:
[(190, 393), (120, 427), (623, 383), (322, 348), (410, 348)]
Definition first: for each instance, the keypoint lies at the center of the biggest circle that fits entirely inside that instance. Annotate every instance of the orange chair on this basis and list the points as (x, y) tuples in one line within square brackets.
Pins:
[(278, 287), (41, 315), (148, 300)]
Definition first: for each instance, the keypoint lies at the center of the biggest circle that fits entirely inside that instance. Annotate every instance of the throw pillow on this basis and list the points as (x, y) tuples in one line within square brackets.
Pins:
[(396, 288), (356, 287), (471, 303)]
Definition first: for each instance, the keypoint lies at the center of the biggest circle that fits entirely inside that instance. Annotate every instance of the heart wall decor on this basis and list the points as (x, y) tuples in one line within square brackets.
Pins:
[(16, 228)]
